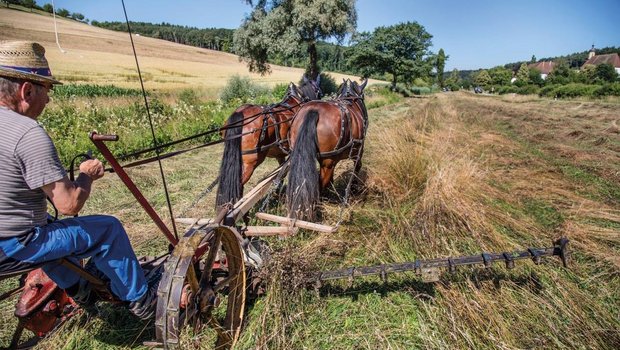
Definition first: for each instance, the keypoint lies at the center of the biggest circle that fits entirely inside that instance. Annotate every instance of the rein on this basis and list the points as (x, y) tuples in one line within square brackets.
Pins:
[(148, 112)]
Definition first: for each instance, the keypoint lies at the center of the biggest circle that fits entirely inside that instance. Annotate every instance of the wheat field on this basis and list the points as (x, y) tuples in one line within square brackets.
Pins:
[(100, 56)]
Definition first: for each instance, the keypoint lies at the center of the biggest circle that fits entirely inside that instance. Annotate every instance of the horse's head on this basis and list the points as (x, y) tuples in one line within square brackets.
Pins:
[(294, 91), (311, 89), (343, 89), (357, 89)]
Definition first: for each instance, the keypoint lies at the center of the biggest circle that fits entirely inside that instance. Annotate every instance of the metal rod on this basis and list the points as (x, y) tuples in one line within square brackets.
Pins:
[(131, 186)]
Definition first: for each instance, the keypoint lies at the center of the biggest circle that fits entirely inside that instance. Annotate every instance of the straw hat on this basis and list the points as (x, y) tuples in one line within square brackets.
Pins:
[(25, 60)]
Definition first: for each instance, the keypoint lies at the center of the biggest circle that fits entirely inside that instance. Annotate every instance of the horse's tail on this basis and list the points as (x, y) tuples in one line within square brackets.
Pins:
[(303, 179), (230, 189)]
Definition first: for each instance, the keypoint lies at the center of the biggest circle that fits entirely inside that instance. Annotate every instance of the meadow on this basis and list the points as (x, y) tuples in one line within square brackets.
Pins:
[(446, 174)]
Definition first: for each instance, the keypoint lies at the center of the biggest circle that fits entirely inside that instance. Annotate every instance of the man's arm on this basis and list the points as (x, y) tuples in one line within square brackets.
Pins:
[(69, 197)]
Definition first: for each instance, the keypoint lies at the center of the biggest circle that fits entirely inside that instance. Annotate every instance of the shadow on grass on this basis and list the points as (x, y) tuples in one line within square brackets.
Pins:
[(120, 328), (428, 290)]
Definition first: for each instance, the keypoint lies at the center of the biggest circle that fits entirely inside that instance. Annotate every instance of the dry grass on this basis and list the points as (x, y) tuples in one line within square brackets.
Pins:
[(456, 175)]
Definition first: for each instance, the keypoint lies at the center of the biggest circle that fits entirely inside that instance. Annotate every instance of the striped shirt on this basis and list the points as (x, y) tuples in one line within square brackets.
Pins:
[(28, 161)]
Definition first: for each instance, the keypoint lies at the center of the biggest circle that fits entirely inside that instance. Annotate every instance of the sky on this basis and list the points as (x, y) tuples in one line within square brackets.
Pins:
[(473, 33)]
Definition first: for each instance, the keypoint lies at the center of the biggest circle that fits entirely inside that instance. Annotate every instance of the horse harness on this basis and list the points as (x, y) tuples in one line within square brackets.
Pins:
[(344, 105), (269, 116)]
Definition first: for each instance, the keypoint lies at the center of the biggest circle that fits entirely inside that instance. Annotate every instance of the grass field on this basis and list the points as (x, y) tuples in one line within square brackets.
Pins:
[(446, 175)]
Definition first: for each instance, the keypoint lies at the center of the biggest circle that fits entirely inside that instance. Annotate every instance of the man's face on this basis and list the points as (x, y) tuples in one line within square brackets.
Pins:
[(36, 98)]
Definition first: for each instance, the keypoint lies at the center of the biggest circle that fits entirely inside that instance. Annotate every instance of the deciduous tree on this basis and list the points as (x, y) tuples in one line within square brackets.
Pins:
[(606, 72), (454, 80), (401, 50), (523, 75), (482, 79), (285, 27), (500, 75), (440, 65)]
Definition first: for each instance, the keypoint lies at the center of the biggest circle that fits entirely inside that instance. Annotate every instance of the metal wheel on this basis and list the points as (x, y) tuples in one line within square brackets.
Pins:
[(203, 284)]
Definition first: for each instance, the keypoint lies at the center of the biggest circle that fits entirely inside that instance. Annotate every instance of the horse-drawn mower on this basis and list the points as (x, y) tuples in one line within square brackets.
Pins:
[(210, 269)]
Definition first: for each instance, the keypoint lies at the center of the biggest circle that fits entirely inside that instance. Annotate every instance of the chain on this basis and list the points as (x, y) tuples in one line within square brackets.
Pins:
[(200, 196)]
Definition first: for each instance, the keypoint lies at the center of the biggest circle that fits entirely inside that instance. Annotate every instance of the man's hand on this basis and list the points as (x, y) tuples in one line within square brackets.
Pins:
[(93, 168)]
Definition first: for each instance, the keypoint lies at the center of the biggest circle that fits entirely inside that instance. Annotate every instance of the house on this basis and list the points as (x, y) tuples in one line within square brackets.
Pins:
[(595, 60), (544, 67)]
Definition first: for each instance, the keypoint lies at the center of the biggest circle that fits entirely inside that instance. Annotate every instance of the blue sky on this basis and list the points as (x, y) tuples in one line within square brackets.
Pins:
[(474, 33)]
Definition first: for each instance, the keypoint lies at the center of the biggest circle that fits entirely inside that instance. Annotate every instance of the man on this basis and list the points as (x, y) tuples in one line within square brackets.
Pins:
[(31, 170)]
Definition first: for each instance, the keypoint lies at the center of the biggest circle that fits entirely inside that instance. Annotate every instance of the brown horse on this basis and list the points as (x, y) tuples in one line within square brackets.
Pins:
[(255, 132), (327, 132)]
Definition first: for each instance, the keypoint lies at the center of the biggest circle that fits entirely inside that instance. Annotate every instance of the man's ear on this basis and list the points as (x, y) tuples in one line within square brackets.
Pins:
[(26, 90)]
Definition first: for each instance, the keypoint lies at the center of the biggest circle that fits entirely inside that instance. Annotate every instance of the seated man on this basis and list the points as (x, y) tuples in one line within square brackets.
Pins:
[(31, 170)]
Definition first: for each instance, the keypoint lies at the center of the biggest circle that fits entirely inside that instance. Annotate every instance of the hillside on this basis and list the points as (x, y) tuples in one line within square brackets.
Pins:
[(99, 56)]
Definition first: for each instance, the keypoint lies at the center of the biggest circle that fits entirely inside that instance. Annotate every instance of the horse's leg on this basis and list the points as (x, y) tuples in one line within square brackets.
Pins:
[(358, 183), (327, 174)]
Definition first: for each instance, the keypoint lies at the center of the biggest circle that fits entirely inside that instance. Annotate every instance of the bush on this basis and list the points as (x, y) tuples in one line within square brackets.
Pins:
[(528, 90), (189, 97), (453, 87), (241, 89), (574, 90), (548, 90), (420, 90), (87, 90), (507, 89), (328, 84), (608, 90), (279, 90)]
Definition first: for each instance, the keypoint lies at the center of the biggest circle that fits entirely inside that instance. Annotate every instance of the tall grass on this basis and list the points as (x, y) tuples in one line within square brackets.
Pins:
[(442, 182)]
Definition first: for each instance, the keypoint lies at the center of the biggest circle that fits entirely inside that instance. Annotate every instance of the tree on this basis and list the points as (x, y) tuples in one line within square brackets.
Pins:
[(441, 63), (48, 8), (561, 73), (523, 75), (500, 75), (29, 4), (587, 74), (12, 2), (606, 73), (284, 27), (63, 12), (454, 80), (401, 50), (482, 79), (533, 60), (77, 16), (535, 78)]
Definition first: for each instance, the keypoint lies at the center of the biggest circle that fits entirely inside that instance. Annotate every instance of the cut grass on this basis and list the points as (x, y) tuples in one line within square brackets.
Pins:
[(469, 187)]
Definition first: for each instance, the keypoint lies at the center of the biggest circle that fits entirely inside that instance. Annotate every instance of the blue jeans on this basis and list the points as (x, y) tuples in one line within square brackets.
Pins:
[(102, 238)]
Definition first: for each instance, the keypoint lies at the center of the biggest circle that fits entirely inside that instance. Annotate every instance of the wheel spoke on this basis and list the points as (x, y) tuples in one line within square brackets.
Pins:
[(223, 283), (217, 295)]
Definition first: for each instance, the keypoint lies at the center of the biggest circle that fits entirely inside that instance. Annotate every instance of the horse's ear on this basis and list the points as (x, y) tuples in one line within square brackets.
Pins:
[(305, 78), (318, 79), (364, 84)]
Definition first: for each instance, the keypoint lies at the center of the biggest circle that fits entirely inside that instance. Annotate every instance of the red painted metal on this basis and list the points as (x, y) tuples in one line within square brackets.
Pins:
[(98, 140)]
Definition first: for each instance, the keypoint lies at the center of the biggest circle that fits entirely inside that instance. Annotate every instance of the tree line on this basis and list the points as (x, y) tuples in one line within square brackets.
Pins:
[(32, 5), (210, 38)]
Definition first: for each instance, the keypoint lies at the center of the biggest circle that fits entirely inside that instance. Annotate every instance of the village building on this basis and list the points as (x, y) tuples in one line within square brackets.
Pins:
[(544, 67), (595, 60)]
